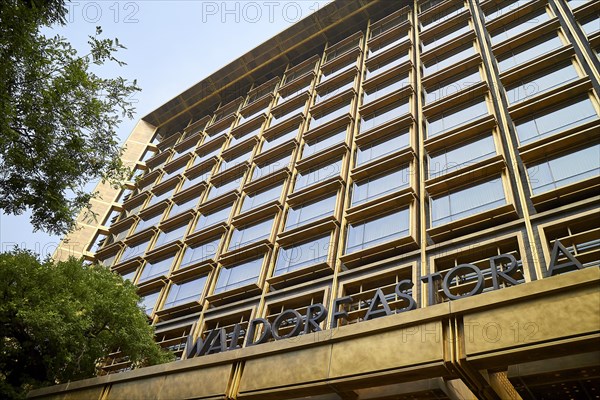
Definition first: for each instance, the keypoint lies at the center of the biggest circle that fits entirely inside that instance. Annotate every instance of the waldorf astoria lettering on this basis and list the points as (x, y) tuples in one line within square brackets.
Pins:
[(502, 269)]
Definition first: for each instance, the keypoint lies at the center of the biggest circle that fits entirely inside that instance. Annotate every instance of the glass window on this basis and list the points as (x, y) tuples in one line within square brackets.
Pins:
[(268, 167), (441, 61), (250, 234), (309, 212), (540, 82), (380, 26), (555, 119), (385, 88), (171, 235), (452, 85), (221, 188), (251, 116), (378, 230), (158, 197), (206, 154), (156, 268), (213, 217), (444, 15), (183, 205), (382, 147), (189, 182), (386, 45), (239, 275), (281, 138), (254, 200), (445, 36), (107, 262), (386, 65), (148, 301), (501, 9), (239, 139), (185, 292), (133, 251), (326, 94), (591, 24), (128, 276), (426, 5), (556, 172), (288, 113), (384, 114), (521, 25), (200, 252), (323, 142), (302, 255), (327, 75), (318, 174), (235, 160), (577, 3), (330, 115), (528, 51), (456, 116), (379, 185), (175, 172), (454, 158), (468, 201)]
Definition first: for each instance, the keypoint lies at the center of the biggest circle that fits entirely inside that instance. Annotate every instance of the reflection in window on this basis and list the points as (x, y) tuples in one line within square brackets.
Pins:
[(276, 140), (133, 251), (313, 146), (385, 88), (540, 82), (254, 200), (169, 236), (213, 217), (191, 181), (386, 65), (329, 93), (382, 147), (362, 235), (302, 255), (521, 25), (183, 206), (148, 301), (456, 116), (468, 201), (329, 115), (221, 188), (239, 275), (318, 174), (156, 268), (270, 166), (182, 293), (381, 47), (384, 114), (309, 212), (528, 51), (200, 252), (245, 235), (557, 172), (448, 58), (206, 154), (452, 85), (445, 36), (287, 113), (380, 185), (454, 158), (555, 119)]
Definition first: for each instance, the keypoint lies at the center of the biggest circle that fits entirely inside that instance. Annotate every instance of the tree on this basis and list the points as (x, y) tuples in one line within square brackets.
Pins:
[(58, 119), (58, 319)]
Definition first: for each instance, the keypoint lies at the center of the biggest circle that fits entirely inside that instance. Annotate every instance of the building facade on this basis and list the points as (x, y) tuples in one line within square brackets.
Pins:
[(388, 200)]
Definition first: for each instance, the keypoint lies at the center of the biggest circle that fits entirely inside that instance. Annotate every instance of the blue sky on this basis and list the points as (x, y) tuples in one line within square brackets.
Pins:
[(171, 45)]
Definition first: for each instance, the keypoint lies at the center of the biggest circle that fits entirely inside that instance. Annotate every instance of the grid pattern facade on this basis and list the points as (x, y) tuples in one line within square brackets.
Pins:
[(446, 133)]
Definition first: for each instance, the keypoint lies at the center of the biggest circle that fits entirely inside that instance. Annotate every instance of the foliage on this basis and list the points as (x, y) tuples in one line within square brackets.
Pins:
[(58, 119), (58, 319)]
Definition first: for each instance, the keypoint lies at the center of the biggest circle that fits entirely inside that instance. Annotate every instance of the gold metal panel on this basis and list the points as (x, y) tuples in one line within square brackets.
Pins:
[(386, 350), (290, 368), (197, 383), (561, 316), (141, 389)]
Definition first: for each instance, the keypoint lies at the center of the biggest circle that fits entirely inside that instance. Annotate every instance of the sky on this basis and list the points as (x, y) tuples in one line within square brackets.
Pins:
[(171, 45)]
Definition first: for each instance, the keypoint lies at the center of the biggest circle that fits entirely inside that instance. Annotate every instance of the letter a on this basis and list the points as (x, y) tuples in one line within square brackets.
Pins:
[(555, 268)]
